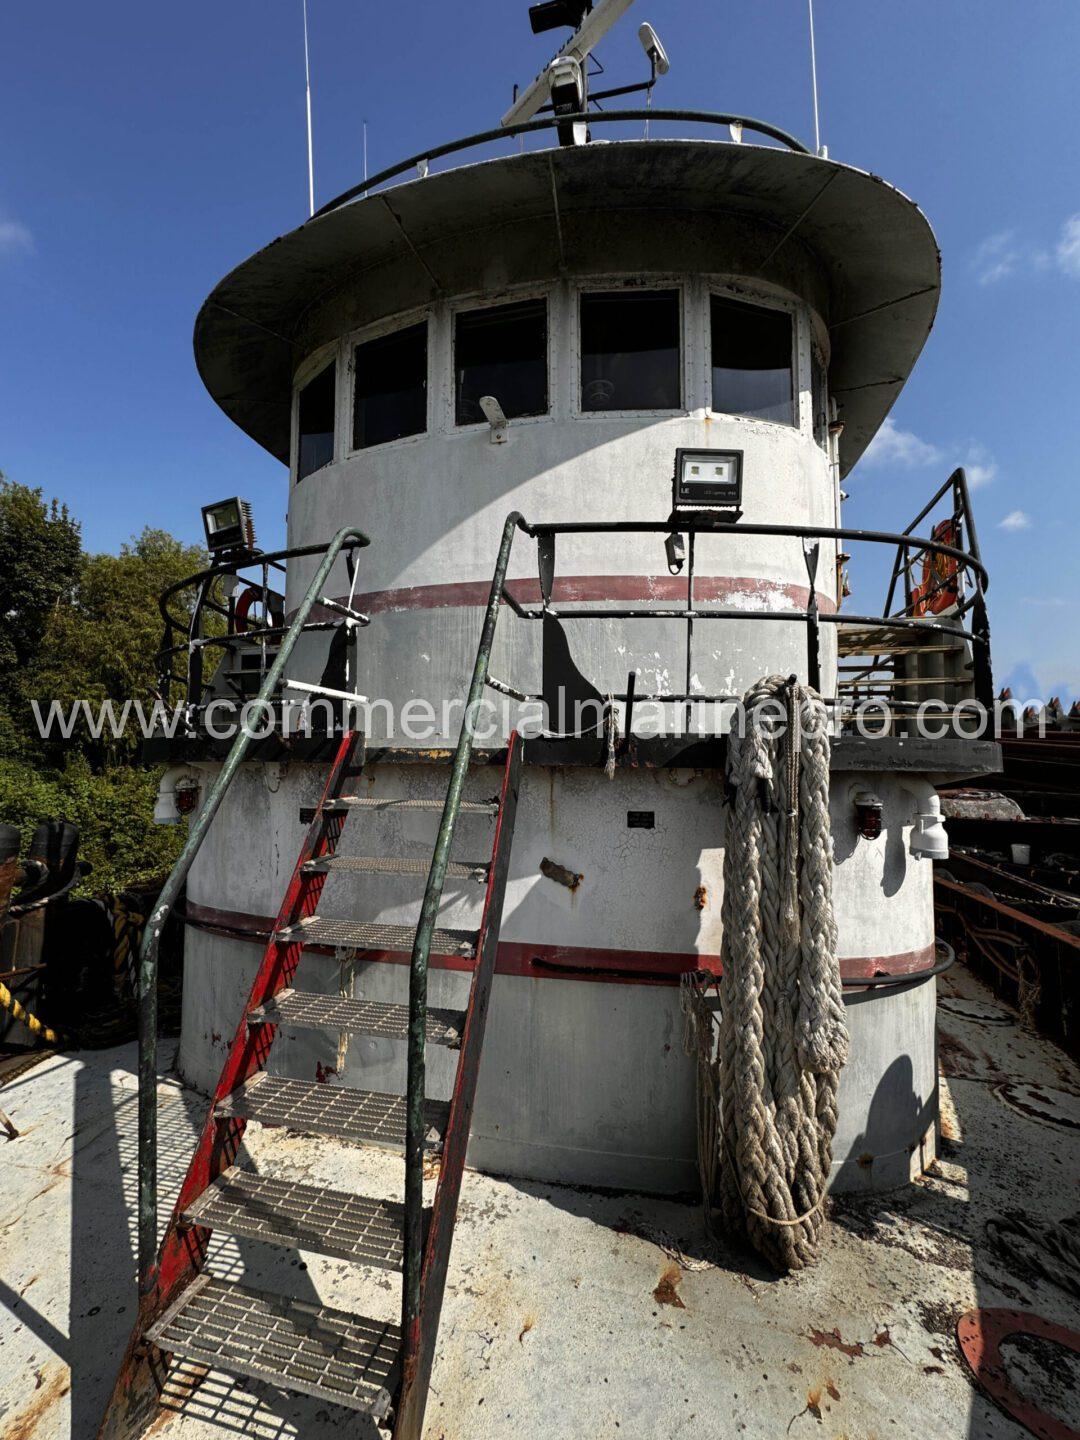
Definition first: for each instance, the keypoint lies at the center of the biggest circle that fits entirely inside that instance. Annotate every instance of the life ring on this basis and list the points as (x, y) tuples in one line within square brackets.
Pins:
[(253, 594), (940, 588)]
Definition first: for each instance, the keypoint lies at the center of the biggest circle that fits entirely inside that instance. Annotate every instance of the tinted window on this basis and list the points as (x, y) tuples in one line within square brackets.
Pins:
[(501, 351), (315, 422), (751, 361), (390, 395), (630, 351)]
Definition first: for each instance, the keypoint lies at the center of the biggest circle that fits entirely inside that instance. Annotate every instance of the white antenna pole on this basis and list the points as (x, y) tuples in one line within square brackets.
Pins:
[(310, 158), (365, 149), (813, 77)]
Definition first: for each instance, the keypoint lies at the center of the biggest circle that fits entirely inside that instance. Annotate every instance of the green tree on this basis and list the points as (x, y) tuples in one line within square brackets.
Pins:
[(41, 559), (101, 643)]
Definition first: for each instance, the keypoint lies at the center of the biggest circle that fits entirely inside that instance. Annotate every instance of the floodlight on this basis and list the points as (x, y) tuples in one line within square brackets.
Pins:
[(650, 43), (708, 479), (228, 526), (496, 418)]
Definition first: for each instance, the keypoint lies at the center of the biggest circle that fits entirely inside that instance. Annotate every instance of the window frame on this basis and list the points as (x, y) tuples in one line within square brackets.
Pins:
[(467, 304), (747, 296), (309, 370), (376, 331), (615, 285)]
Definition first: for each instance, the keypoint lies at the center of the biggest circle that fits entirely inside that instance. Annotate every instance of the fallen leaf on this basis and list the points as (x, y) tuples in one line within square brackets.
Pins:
[(666, 1292), (529, 1323)]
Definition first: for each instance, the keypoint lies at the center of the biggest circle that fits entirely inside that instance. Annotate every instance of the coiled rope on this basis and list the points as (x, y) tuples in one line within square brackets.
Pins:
[(767, 1145)]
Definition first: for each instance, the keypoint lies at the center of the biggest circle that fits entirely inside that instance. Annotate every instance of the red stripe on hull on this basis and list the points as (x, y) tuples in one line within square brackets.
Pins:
[(564, 962), (588, 589)]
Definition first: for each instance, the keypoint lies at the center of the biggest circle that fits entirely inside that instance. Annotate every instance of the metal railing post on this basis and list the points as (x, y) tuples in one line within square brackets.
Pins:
[(415, 1126), (148, 951)]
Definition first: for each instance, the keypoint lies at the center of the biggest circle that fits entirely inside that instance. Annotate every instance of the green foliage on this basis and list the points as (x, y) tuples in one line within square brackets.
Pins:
[(76, 626), (40, 561), (114, 812)]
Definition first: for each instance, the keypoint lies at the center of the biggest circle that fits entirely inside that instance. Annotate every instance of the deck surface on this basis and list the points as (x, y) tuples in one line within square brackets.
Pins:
[(567, 1313)]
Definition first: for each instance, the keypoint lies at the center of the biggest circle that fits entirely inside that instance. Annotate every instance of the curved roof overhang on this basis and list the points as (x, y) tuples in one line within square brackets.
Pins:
[(856, 248)]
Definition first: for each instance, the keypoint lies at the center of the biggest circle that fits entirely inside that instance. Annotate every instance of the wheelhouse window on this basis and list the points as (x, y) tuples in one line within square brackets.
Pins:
[(501, 350), (751, 361), (820, 395), (630, 350), (390, 387), (315, 406)]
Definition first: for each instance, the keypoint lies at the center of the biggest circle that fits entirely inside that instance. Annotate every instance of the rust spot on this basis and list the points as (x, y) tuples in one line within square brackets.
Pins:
[(834, 1393), (813, 1401), (701, 897), (560, 874), (865, 1160), (883, 1338), (833, 1340), (53, 1383), (323, 1072), (667, 1289), (530, 1321)]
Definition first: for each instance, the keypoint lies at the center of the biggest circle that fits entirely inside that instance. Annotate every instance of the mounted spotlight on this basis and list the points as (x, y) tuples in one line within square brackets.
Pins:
[(228, 526), (708, 480), (650, 43), (567, 79), (554, 13)]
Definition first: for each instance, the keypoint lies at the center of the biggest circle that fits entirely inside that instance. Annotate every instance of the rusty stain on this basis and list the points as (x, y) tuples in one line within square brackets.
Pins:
[(47, 1392), (833, 1340), (834, 1393), (530, 1321), (701, 897), (865, 1160), (667, 1289), (323, 1072), (560, 874)]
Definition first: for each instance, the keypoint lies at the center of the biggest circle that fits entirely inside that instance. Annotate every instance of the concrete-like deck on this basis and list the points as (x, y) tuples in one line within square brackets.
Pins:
[(568, 1313)]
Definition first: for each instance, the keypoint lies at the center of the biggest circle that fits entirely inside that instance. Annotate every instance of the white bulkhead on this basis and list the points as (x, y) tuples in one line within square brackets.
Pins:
[(527, 275)]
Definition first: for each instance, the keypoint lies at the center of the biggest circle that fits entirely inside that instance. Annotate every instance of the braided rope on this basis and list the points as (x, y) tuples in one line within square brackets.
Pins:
[(782, 1035)]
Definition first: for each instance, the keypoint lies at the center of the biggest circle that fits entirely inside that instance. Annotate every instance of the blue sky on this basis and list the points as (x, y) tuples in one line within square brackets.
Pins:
[(150, 148)]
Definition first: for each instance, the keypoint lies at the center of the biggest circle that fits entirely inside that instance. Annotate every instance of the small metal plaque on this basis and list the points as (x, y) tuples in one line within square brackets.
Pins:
[(641, 819)]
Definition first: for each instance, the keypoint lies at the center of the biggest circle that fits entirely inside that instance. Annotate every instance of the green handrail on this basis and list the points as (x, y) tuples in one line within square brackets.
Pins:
[(418, 969), (148, 951)]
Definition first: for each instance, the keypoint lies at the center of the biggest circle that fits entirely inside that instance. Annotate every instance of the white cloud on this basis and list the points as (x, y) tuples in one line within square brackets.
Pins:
[(1068, 247), (893, 446), (14, 237), (1015, 520), (997, 257), (979, 466)]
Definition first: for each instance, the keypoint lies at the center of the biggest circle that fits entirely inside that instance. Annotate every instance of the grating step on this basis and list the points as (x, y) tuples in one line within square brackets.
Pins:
[(356, 935), (393, 865), (367, 1116), (306, 1010), (302, 1217), (376, 802), (309, 1348)]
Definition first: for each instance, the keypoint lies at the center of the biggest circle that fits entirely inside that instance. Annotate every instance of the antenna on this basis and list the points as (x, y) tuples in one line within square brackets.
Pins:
[(813, 77), (594, 26), (310, 159), (365, 149)]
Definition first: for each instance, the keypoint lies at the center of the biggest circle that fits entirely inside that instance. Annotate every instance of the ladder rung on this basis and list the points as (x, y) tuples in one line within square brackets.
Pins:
[(366, 1116), (346, 610), (394, 865), (358, 935), (311, 1349), (376, 802), (306, 1010), (302, 1217)]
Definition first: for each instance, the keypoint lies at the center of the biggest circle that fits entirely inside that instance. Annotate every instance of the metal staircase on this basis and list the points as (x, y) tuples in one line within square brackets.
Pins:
[(372, 1366)]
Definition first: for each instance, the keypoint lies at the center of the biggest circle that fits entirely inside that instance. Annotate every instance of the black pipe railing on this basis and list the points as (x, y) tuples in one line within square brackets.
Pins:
[(420, 161)]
